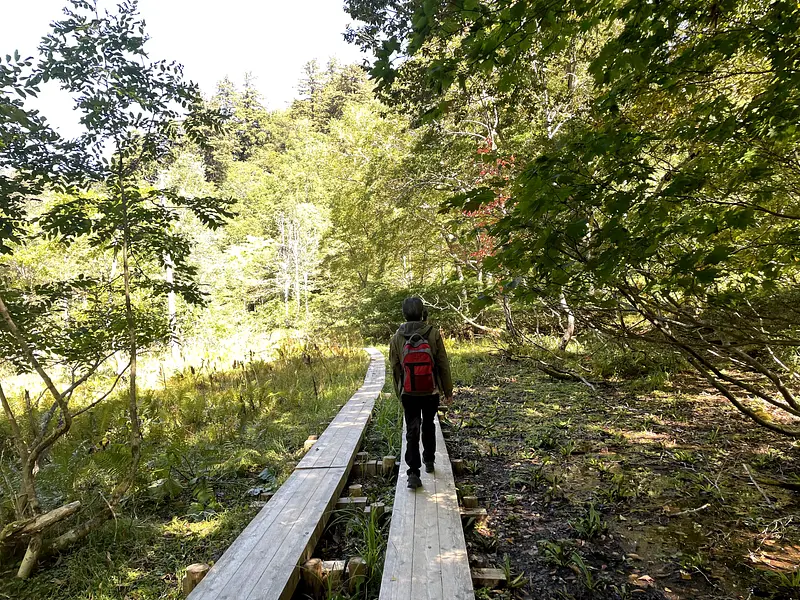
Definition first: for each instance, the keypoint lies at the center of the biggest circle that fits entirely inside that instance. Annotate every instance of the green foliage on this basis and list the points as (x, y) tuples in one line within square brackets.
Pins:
[(591, 524), (555, 553), (656, 196)]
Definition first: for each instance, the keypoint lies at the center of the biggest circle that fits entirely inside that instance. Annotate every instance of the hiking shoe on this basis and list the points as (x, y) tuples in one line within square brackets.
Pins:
[(429, 467), (414, 482)]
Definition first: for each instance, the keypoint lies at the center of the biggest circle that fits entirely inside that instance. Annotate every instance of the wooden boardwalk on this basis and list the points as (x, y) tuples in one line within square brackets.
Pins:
[(262, 563), (426, 556)]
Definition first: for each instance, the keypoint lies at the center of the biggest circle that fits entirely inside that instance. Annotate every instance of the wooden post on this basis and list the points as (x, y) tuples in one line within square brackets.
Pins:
[(359, 467), (371, 467), (354, 491), (309, 443), (311, 575), (194, 575), (470, 501), (458, 466), (356, 572), (379, 508), (388, 465)]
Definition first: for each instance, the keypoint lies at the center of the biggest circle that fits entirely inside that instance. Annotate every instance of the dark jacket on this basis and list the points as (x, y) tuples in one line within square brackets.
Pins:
[(444, 382)]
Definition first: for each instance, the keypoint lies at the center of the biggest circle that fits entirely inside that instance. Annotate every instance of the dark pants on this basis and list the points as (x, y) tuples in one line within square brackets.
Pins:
[(419, 413)]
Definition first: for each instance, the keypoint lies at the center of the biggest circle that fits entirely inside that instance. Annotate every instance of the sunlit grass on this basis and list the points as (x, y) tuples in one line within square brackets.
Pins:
[(212, 433)]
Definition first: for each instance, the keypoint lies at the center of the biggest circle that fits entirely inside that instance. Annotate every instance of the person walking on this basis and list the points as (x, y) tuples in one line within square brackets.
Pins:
[(421, 373)]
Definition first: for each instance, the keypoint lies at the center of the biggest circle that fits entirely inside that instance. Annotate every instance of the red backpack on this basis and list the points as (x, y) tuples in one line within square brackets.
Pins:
[(418, 367)]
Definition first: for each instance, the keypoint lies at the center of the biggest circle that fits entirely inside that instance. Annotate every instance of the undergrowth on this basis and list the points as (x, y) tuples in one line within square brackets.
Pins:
[(213, 440)]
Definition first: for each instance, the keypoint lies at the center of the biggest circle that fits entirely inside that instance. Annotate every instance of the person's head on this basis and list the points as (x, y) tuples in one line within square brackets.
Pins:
[(413, 309)]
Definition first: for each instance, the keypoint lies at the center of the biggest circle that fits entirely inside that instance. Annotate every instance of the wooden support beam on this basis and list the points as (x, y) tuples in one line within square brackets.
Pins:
[(479, 514), (358, 502), (355, 490), (333, 573), (491, 578), (458, 466)]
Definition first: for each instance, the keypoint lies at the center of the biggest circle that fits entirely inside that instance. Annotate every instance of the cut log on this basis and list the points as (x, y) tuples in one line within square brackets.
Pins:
[(194, 575), (458, 466), (355, 490), (311, 575), (491, 578)]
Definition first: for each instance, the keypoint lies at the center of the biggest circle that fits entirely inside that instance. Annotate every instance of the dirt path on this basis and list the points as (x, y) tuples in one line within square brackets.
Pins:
[(617, 494)]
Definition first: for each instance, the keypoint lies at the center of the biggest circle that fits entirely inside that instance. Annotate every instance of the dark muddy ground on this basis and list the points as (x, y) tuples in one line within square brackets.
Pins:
[(610, 493)]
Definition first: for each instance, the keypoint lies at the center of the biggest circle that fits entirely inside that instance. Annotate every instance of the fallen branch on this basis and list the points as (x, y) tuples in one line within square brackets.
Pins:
[(559, 372), (758, 487), (689, 511), (786, 485), (40, 523)]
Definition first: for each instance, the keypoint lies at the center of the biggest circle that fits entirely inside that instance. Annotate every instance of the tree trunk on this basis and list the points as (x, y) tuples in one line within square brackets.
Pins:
[(296, 253), (569, 330), (31, 557), (511, 328), (305, 284), (133, 409)]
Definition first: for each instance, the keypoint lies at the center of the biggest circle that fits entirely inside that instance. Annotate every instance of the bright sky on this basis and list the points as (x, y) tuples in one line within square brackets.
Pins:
[(272, 39)]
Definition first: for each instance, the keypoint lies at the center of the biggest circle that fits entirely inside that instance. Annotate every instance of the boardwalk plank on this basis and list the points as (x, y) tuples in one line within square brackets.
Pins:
[(262, 563), (426, 556), (456, 576), (397, 568)]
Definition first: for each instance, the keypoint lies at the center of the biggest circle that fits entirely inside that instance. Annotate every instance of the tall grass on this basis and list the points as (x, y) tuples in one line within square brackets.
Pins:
[(209, 437)]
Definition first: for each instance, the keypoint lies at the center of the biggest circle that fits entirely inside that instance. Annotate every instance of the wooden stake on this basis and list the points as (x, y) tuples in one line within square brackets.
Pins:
[(356, 572), (388, 464), (194, 575), (458, 466), (470, 501)]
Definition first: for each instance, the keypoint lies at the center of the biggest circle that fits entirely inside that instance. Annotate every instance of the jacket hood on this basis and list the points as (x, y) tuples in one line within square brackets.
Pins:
[(419, 327)]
